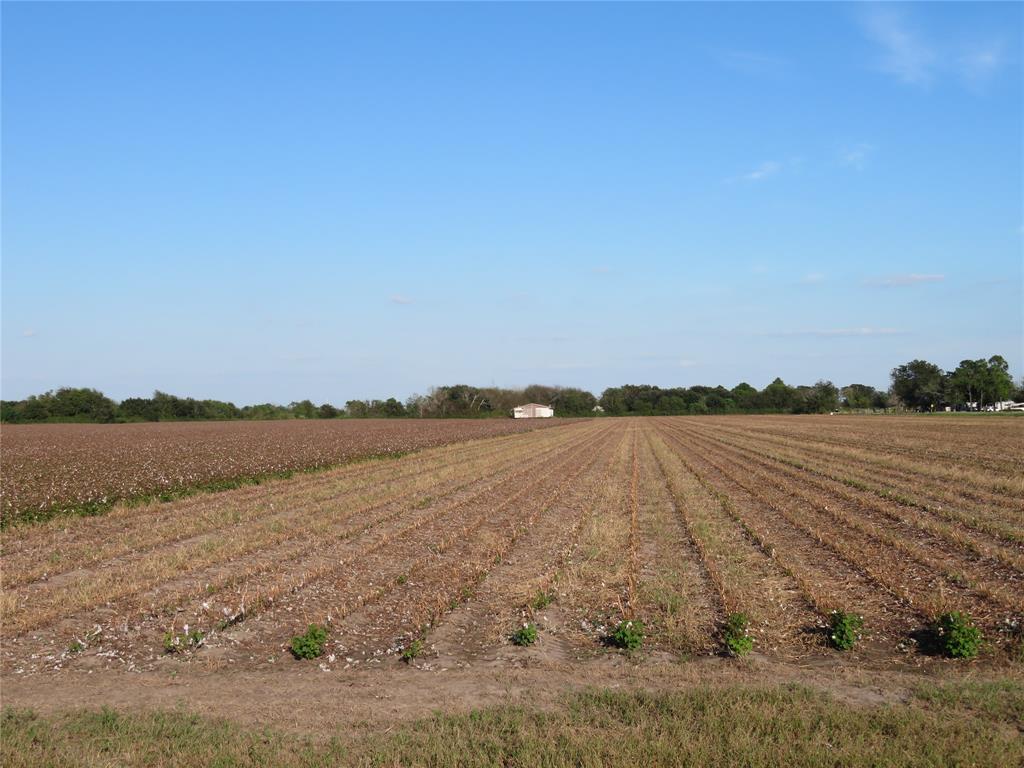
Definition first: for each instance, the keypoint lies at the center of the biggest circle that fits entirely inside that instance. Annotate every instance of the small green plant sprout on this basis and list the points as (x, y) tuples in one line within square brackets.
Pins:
[(542, 600), (628, 635), (412, 650), (311, 644), (736, 636), (844, 629), (186, 641), (77, 646), (957, 636), (525, 635)]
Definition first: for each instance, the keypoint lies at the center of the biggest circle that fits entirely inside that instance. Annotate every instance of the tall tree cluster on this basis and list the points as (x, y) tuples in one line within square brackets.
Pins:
[(972, 385)]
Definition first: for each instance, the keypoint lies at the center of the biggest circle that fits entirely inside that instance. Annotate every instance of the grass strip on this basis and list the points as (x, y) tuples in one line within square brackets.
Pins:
[(955, 724)]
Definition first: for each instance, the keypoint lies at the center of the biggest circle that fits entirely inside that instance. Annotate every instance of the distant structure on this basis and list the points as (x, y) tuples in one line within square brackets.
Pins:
[(533, 411)]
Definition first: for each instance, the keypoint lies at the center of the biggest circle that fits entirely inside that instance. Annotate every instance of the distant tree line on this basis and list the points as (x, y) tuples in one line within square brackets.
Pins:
[(917, 385)]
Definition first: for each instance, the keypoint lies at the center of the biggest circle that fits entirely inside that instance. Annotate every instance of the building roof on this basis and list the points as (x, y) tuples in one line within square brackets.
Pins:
[(535, 405)]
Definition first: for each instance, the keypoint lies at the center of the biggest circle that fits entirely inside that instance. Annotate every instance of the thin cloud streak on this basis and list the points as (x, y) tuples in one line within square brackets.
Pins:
[(903, 54), (763, 171), (398, 298), (856, 157), (977, 66), (899, 281), (910, 58), (814, 278), (831, 333)]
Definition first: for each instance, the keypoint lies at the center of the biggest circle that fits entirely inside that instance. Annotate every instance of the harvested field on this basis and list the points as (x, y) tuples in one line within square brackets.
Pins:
[(676, 522), (50, 468)]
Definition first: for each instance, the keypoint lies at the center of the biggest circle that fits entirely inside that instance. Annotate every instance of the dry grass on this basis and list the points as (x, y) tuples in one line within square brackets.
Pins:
[(966, 724)]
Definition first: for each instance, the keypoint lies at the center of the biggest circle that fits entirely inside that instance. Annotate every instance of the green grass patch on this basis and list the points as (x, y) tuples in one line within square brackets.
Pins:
[(960, 724)]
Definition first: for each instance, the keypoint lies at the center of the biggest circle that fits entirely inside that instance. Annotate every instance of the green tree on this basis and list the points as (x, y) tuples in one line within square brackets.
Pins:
[(304, 409), (574, 402), (862, 396), (392, 409), (779, 397), (327, 411), (357, 409), (613, 400), (967, 383), (918, 384), (745, 396), (823, 397), (998, 383)]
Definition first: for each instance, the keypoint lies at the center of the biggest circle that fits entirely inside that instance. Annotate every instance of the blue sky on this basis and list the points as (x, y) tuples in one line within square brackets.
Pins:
[(277, 201)]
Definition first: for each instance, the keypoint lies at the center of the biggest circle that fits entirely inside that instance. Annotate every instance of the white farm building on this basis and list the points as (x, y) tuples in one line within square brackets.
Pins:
[(533, 411)]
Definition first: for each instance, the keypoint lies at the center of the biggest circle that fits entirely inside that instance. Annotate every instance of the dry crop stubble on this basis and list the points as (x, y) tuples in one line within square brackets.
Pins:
[(950, 496), (30, 554), (450, 575), (676, 521), (932, 574), (508, 596), (752, 580), (273, 573), (677, 597), (990, 571)]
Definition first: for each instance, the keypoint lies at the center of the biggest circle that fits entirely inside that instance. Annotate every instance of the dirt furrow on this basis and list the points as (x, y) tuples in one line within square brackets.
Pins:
[(395, 590), (445, 583), (911, 437), (55, 548), (119, 580), (920, 485), (993, 574), (523, 586), (911, 583), (928, 521), (827, 578), (678, 601), (249, 590), (748, 579)]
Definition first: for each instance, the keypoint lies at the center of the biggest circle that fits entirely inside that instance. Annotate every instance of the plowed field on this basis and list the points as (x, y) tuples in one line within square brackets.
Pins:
[(675, 521), (49, 469)]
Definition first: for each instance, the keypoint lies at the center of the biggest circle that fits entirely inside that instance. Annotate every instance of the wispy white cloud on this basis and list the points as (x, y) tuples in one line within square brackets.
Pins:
[(760, 173), (980, 63), (687, 363), (28, 333), (839, 332), (904, 54), (812, 278), (912, 278), (397, 298), (763, 171), (855, 156), (602, 270)]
